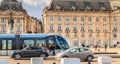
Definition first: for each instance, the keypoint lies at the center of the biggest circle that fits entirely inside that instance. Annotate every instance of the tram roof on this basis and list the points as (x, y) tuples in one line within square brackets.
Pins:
[(35, 35), (26, 35), (32, 35), (7, 36)]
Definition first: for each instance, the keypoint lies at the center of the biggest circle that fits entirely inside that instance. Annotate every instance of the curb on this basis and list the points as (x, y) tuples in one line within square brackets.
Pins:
[(108, 55), (105, 52)]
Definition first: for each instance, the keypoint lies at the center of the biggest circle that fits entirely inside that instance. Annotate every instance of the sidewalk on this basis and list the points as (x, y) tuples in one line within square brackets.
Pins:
[(4, 57), (107, 55), (111, 52), (107, 50)]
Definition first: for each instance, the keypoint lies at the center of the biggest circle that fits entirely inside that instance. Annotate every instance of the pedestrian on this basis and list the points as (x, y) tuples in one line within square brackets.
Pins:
[(99, 46), (40, 45), (44, 48), (105, 47), (52, 50), (83, 45), (114, 45), (95, 47), (118, 44), (47, 45)]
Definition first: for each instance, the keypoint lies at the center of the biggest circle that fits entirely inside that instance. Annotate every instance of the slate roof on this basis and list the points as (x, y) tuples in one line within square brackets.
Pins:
[(10, 1), (11, 4), (81, 5)]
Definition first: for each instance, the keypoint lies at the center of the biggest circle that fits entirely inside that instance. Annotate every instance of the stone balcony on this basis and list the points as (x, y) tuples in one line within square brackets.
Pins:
[(67, 31), (90, 30), (59, 31), (97, 31), (51, 31), (105, 31)]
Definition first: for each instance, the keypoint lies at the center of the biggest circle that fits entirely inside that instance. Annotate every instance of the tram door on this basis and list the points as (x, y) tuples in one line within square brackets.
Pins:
[(6, 46)]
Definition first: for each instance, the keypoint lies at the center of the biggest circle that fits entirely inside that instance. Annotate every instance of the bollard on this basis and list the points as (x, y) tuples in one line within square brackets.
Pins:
[(54, 63), (104, 60), (70, 61)]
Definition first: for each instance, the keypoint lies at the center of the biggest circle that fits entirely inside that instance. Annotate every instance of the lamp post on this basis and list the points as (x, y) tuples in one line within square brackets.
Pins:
[(11, 23)]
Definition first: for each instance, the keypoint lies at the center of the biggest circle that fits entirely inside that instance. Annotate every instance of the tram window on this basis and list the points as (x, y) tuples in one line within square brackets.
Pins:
[(38, 42), (9, 44), (29, 42), (51, 40), (4, 43), (63, 43)]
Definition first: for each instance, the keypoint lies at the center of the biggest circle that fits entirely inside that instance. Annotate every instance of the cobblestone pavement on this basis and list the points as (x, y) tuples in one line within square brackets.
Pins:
[(50, 61)]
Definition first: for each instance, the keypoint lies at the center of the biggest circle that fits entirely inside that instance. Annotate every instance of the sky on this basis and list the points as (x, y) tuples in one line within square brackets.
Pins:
[(34, 7)]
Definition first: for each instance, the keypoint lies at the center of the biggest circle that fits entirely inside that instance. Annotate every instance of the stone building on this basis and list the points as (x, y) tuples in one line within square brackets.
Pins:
[(22, 22), (84, 22)]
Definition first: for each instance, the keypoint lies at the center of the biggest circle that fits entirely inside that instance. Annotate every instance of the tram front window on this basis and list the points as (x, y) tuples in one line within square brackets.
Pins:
[(63, 43)]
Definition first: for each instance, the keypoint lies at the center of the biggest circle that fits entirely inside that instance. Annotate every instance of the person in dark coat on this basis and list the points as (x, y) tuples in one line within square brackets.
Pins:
[(95, 47), (105, 47), (83, 45), (52, 50)]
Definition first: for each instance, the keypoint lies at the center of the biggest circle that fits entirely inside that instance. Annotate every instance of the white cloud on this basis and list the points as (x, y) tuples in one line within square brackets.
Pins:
[(36, 2)]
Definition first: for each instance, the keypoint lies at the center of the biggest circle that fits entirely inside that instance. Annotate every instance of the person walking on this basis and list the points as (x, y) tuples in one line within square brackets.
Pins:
[(52, 50), (95, 47), (83, 45), (105, 47)]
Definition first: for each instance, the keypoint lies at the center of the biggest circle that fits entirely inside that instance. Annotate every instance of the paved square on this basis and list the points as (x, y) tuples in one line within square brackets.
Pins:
[(50, 61)]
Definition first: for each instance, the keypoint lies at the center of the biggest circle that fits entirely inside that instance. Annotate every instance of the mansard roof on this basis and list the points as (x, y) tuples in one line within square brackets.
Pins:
[(81, 5), (11, 4), (9, 1)]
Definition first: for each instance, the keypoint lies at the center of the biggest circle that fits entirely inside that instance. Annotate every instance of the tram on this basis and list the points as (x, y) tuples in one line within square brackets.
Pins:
[(11, 42)]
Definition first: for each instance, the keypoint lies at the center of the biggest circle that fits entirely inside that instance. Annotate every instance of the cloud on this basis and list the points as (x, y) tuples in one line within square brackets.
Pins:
[(36, 2)]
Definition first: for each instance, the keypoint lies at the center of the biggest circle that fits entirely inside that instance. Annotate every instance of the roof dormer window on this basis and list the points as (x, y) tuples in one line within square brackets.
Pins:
[(88, 7), (58, 7), (14, 7), (102, 8), (114, 8), (74, 7), (6, 7)]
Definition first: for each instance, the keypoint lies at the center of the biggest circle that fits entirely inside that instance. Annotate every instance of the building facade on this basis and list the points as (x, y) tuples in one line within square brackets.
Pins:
[(22, 22), (84, 22)]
